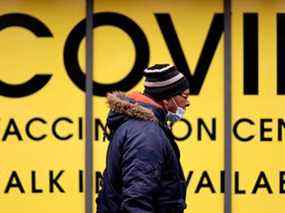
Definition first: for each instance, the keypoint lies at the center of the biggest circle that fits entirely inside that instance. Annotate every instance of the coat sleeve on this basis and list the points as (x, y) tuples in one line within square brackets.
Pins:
[(142, 162)]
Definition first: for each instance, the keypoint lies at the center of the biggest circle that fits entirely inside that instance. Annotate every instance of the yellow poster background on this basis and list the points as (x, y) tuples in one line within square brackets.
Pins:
[(22, 56), (252, 157)]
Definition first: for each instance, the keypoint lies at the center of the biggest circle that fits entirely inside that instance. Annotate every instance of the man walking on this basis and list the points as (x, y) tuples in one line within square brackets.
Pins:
[(143, 171)]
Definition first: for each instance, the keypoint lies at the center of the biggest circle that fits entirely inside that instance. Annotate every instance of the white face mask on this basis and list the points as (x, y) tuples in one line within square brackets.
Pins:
[(178, 115)]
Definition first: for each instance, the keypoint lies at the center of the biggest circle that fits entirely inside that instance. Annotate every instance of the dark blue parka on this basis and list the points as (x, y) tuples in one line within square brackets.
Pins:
[(143, 172)]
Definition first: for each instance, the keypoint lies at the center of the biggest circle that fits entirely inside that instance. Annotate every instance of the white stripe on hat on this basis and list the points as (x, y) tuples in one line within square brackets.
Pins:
[(158, 70), (164, 83)]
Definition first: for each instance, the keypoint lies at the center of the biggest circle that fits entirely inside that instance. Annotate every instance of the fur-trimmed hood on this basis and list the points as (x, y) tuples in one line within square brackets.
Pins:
[(135, 105), (119, 102)]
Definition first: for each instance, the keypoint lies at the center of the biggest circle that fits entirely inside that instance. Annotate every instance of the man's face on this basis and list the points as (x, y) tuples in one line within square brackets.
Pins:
[(180, 100)]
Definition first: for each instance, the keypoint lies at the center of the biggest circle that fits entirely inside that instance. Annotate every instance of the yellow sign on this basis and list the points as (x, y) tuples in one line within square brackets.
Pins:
[(258, 97), (42, 96), (42, 146)]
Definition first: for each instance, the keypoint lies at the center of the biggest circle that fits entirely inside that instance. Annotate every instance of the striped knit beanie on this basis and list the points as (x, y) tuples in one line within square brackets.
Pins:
[(163, 81)]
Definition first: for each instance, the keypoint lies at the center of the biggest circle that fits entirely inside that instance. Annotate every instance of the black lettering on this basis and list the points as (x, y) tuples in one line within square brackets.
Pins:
[(34, 183), (281, 126), (237, 189), (54, 128), (280, 53), (202, 125), (81, 181), (188, 133), (282, 182), (263, 129), (171, 38), (107, 19), (53, 181), (207, 184), (80, 128), (39, 29), (14, 177), (12, 129), (235, 131), (28, 129), (250, 53), (262, 178), (223, 182), (189, 178), (99, 125)]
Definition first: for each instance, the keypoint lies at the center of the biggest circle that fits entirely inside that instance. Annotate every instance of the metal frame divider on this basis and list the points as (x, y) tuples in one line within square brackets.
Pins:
[(228, 106), (89, 189)]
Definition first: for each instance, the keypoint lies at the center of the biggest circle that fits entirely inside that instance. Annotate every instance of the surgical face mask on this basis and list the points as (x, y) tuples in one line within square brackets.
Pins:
[(178, 115)]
